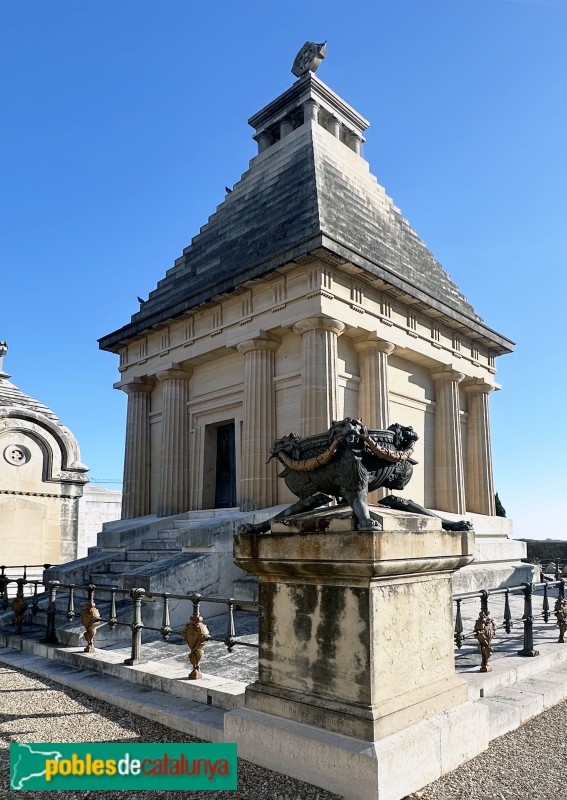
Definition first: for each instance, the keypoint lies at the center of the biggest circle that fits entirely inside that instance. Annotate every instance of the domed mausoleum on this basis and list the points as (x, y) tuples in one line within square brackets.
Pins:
[(41, 480)]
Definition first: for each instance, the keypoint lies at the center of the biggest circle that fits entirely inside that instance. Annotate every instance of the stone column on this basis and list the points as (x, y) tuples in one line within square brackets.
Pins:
[(478, 477), (319, 389), (373, 404), (311, 111), (286, 127), (258, 482), (173, 497), (136, 487), (264, 141), (334, 127), (449, 468)]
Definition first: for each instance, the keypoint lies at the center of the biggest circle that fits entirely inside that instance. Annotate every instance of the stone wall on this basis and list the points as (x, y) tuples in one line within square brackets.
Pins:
[(96, 506)]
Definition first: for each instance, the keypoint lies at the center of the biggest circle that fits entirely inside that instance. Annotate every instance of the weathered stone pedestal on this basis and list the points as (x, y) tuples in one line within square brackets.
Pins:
[(356, 645)]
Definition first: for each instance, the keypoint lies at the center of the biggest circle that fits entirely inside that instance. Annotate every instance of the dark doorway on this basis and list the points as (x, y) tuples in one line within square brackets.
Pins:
[(225, 483)]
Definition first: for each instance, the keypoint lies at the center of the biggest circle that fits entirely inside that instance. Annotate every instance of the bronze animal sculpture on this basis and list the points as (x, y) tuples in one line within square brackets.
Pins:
[(345, 463)]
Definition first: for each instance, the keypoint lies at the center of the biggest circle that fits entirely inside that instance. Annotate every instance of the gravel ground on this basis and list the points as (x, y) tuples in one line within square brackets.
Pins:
[(34, 709), (527, 763)]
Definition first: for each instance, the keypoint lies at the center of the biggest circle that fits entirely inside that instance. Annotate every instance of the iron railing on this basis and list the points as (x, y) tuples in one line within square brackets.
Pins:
[(195, 632), (485, 626)]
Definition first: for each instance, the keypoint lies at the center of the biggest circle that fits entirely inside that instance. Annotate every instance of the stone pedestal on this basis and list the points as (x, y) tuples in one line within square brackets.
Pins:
[(355, 626), (357, 691)]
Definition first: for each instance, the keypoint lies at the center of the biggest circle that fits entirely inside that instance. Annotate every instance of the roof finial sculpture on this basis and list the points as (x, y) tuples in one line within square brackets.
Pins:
[(309, 58), (3, 351)]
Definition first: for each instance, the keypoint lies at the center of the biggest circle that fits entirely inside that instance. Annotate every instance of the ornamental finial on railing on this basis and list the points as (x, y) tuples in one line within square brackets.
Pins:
[(196, 634), (90, 617)]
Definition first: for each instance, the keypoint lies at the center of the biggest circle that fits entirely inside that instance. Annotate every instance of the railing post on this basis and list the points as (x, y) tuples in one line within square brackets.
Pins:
[(113, 619), (137, 626), (459, 638), (4, 581), (528, 618), (507, 613), (50, 636), (545, 607), (19, 605), (71, 603), (230, 630), (165, 629), (35, 604)]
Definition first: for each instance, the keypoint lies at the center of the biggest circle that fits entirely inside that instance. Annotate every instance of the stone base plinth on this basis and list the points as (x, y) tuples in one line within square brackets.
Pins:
[(355, 626), (356, 769)]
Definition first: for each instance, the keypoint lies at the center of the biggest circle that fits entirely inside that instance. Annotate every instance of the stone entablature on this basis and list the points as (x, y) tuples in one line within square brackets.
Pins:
[(267, 307), (332, 336)]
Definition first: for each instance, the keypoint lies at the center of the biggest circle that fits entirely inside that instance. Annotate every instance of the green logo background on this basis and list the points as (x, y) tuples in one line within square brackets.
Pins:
[(28, 766)]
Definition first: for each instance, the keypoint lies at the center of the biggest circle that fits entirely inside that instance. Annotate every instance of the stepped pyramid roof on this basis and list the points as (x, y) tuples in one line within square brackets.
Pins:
[(307, 193)]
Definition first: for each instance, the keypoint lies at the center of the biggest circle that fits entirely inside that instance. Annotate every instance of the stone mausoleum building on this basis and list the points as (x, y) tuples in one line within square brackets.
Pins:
[(306, 297), (41, 481)]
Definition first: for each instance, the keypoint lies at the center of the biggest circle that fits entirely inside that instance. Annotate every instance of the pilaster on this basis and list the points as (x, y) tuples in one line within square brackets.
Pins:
[(136, 485), (479, 481), (449, 467), (319, 384), (173, 497), (258, 483)]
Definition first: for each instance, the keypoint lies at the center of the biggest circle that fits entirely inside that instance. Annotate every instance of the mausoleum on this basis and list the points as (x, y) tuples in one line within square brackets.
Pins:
[(41, 480), (306, 297)]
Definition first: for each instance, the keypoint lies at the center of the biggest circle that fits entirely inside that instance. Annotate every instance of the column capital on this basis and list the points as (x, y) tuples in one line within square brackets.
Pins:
[(262, 342), (478, 386), (136, 385), (175, 371), (448, 374), (319, 323), (371, 341)]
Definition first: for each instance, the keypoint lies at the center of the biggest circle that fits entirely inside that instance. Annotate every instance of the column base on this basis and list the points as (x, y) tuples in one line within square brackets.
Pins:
[(356, 769)]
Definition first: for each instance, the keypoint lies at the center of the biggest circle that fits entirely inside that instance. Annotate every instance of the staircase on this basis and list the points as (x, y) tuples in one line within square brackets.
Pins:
[(190, 552)]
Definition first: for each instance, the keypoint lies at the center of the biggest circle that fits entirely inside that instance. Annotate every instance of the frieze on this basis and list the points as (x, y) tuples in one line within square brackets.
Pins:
[(35, 494)]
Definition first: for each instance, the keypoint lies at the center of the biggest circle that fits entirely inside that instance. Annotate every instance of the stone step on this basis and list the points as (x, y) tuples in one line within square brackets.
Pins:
[(106, 579), (161, 544), (167, 534), (145, 555), (124, 566)]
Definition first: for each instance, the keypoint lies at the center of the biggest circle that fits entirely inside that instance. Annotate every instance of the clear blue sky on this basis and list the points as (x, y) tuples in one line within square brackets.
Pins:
[(122, 122)]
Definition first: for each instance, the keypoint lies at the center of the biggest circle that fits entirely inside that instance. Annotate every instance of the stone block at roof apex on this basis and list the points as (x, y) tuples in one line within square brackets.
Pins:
[(308, 192)]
